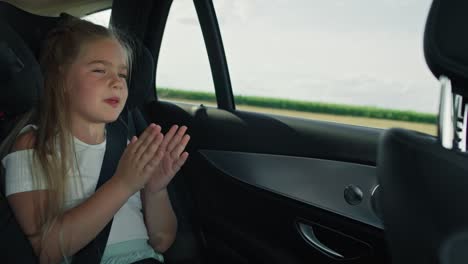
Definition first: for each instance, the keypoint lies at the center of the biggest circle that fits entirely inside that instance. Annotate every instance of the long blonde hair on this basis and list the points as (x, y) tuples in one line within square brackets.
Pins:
[(52, 117)]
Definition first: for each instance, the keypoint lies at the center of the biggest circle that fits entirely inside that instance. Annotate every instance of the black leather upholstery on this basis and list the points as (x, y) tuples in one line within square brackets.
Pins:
[(424, 194), (20, 73), (445, 42)]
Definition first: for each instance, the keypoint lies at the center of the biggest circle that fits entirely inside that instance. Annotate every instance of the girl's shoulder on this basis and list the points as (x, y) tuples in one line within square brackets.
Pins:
[(26, 138)]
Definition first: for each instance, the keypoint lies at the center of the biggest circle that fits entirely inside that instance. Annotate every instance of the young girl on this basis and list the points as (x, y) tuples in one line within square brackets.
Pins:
[(53, 166)]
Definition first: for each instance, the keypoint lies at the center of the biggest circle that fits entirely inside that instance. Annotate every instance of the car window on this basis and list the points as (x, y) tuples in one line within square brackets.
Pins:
[(357, 62), (101, 17), (183, 71)]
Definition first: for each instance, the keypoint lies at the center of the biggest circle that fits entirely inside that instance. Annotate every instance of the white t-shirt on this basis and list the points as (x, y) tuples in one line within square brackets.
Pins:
[(128, 222)]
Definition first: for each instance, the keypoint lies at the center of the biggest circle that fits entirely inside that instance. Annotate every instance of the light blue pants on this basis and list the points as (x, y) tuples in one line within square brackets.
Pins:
[(128, 252)]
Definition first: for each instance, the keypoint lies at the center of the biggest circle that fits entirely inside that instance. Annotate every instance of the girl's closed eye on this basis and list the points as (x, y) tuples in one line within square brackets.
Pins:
[(123, 76), (103, 71)]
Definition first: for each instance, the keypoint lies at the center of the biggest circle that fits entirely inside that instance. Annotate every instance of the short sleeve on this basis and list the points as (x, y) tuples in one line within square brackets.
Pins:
[(19, 174)]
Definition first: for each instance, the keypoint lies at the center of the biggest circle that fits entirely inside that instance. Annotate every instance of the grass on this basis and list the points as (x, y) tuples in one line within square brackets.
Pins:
[(306, 106)]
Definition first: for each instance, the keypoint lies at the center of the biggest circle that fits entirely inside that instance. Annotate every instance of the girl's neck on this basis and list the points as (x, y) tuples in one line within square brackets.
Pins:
[(89, 133)]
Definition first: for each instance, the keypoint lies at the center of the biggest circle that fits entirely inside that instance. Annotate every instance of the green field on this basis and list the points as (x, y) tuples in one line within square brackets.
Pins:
[(305, 106)]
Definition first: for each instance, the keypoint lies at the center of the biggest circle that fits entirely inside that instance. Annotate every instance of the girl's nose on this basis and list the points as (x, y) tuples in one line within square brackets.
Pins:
[(117, 82)]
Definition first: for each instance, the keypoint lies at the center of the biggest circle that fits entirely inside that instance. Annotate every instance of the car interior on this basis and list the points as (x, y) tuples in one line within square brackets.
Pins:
[(264, 188)]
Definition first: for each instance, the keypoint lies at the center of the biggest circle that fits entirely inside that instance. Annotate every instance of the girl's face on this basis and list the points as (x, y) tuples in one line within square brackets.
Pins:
[(96, 82)]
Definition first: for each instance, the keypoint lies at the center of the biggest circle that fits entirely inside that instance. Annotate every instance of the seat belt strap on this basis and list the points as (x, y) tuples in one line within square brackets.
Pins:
[(116, 142)]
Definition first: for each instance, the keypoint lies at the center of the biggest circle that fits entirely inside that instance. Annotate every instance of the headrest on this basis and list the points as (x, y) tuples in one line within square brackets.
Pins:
[(21, 34), (446, 42), (20, 75), (141, 86), (30, 27)]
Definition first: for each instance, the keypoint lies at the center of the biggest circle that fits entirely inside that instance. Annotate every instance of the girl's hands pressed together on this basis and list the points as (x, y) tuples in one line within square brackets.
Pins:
[(174, 157), (141, 159)]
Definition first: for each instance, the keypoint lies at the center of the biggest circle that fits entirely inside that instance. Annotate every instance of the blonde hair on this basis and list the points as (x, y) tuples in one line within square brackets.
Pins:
[(62, 46)]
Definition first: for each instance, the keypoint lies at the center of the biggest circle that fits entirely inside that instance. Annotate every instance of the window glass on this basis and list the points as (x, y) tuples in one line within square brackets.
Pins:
[(101, 17), (358, 62), (183, 71)]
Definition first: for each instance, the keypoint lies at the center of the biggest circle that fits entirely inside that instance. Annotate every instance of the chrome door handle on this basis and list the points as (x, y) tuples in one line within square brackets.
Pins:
[(308, 234)]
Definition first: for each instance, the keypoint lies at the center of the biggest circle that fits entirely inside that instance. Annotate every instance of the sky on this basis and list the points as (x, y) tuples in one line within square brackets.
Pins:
[(359, 52)]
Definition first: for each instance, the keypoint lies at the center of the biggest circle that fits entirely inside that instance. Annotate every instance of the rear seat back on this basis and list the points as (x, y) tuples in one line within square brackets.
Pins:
[(20, 75), (20, 88), (21, 81)]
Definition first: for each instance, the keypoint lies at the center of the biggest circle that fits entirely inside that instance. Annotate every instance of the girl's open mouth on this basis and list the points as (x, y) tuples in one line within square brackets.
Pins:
[(114, 101)]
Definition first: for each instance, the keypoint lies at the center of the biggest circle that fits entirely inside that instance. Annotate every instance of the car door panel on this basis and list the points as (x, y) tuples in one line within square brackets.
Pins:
[(318, 182), (255, 179)]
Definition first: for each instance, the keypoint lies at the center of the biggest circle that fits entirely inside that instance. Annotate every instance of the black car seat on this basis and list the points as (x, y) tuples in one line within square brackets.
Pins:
[(424, 179), (21, 34), (21, 87)]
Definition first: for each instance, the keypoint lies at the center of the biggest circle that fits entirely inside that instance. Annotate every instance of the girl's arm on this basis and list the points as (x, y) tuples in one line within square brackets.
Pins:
[(160, 219), (76, 228)]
